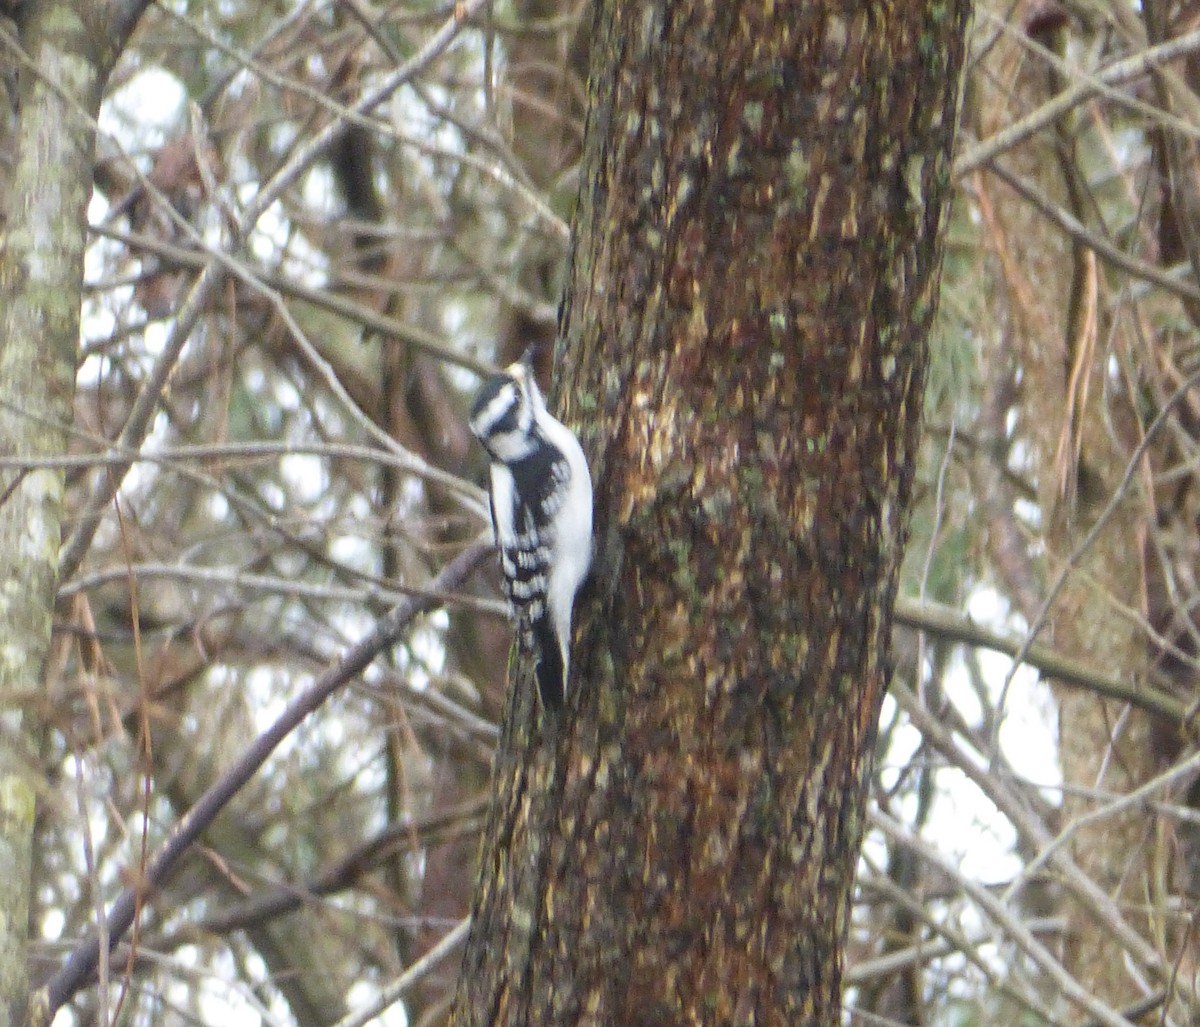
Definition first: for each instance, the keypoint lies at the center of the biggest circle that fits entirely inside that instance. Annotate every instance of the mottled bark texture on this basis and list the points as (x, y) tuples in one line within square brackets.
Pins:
[(754, 273), (68, 50)]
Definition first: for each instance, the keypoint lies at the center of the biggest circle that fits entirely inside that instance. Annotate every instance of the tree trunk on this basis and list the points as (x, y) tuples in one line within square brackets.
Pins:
[(755, 270), (1062, 330), (41, 278)]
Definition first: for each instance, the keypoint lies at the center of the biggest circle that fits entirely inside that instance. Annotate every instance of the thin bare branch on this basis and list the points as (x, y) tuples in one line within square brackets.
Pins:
[(105, 486), (1086, 86), (954, 626), (81, 964), (395, 991)]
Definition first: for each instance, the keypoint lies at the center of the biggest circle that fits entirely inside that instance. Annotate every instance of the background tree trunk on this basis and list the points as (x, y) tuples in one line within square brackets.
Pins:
[(1063, 326), (755, 270), (41, 280)]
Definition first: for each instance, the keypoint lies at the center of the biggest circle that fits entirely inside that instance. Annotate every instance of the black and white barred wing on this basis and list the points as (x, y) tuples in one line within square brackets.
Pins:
[(526, 496)]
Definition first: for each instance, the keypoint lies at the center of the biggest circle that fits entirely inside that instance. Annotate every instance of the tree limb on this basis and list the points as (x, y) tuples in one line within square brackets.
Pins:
[(954, 626), (81, 963)]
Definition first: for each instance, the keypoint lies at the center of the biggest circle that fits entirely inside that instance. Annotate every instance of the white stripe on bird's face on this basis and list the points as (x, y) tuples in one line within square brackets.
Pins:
[(487, 419), (504, 415)]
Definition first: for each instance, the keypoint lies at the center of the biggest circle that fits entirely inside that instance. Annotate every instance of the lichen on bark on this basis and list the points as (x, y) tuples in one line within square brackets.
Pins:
[(71, 50)]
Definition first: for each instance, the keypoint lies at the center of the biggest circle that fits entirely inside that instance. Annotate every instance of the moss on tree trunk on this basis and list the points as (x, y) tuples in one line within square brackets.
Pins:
[(755, 269)]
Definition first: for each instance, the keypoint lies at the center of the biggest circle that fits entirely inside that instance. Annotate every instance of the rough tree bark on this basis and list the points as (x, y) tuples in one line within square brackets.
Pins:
[(66, 53), (755, 269)]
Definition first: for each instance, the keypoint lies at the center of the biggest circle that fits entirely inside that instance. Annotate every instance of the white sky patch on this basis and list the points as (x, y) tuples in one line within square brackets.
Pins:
[(364, 993), (356, 553), (95, 366), (318, 192), (1028, 731), (218, 506), (305, 475), (285, 393), (453, 318), (962, 822), (1028, 512), (155, 338), (99, 313), (270, 235), (145, 110), (142, 473), (357, 547), (353, 625), (53, 923), (272, 497), (905, 739), (275, 241), (218, 998), (267, 695), (1029, 725), (98, 207), (429, 649)]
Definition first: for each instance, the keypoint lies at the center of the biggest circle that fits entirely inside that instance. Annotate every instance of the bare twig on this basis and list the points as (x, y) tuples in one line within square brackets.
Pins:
[(81, 963), (395, 991), (952, 625), (1118, 496), (1003, 917), (287, 898), (196, 302), (1103, 248), (1085, 890), (1087, 86), (366, 594)]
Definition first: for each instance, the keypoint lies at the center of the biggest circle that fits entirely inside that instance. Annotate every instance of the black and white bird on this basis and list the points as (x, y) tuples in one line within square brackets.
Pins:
[(541, 492)]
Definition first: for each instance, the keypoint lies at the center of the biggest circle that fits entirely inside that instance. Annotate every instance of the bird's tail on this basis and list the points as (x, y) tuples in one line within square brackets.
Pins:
[(551, 669)]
